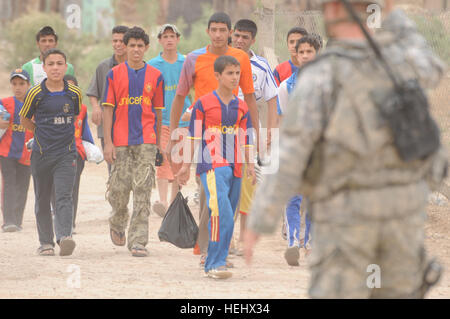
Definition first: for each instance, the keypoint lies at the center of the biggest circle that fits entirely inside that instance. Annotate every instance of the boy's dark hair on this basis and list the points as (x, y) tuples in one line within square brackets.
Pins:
[(311, 40), (319, 39), (51, 52), (136, 33), (223, 61), (120, 29), (220, 17), (69, 77), (247, 25), (299, 30), (45, 31)]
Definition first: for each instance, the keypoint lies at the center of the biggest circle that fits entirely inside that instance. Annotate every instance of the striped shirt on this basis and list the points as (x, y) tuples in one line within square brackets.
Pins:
[(223, 130), (12, 143), (135, 96), (263, 79), (54, 114), (284, 71)]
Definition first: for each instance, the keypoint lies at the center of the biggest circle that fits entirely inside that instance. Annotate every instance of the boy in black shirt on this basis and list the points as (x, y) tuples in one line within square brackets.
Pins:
[(53, 105)]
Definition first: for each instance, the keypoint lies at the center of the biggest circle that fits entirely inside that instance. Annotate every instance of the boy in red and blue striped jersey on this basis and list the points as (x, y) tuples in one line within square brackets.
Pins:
[(221, 122), (284, 70), (133, 104), (14, 155)]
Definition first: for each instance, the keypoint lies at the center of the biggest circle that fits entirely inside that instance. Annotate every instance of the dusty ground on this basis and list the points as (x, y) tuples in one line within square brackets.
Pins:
[(107, 271)]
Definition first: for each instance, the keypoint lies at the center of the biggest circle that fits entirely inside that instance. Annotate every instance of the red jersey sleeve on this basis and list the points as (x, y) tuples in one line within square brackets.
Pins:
[(197, 119), (245, 126), (158, 97), (276, 74)]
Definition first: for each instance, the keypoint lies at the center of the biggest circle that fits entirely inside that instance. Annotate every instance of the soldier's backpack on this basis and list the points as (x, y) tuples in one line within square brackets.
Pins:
[(405, 108)]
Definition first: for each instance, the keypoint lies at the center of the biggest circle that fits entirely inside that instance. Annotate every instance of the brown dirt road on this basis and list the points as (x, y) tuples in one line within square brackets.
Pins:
[(107, 271)]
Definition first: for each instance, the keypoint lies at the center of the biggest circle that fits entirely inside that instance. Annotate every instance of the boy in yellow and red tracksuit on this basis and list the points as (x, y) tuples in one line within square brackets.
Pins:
[(222, 124)]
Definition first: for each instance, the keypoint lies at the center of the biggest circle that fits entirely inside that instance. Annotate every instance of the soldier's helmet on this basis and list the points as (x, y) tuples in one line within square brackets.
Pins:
[(378, 2)]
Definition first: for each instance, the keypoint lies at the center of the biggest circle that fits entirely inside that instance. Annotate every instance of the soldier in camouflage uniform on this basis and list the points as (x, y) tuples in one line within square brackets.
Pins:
[(368, 206), (133, 103)]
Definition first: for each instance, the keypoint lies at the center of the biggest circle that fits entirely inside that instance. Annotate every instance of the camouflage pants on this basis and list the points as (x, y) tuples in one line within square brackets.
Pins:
[(133, 171), (345, 258)]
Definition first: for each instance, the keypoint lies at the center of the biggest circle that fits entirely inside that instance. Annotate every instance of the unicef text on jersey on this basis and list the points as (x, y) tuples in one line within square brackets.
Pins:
[(221, 147)]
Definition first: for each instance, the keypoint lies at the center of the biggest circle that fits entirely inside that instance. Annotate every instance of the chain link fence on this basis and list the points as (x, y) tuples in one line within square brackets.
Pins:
[(434, 26)]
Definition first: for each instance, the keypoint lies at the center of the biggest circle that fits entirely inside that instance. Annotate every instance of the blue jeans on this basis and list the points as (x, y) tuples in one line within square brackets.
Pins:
[(222, 190), (293, 222)]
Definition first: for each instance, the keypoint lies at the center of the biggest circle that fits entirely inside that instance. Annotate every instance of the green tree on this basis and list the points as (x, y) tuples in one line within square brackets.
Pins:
[(20, 37)]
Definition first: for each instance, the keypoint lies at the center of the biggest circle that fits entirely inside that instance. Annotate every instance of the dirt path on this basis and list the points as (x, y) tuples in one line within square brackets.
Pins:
[(107, 271)]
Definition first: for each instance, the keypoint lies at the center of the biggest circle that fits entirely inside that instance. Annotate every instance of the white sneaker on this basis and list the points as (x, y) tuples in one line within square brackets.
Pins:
[(219, 273)]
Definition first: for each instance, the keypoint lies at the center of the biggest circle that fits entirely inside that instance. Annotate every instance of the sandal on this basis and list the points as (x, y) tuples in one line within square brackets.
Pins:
[(46, 250), (202, 260), (118, 238), (139, 251)]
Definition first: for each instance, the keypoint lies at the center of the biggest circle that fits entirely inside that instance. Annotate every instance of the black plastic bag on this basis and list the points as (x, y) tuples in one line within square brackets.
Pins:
[(178, 226)]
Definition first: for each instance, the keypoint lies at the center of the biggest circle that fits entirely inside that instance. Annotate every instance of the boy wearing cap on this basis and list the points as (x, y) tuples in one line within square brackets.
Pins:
[(14, 156), (170, 63)]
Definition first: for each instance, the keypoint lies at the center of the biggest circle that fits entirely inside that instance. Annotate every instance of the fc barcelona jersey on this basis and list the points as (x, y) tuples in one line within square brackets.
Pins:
[(283, 71), (135, 96), (223, 130), (12, 143)]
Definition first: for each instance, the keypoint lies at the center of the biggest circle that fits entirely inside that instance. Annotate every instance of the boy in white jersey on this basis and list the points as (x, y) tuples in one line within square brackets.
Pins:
[(244, 36)]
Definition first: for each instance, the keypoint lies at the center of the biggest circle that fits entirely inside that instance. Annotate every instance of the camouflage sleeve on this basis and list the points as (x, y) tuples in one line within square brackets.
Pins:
[(302, 127), (427, 66)]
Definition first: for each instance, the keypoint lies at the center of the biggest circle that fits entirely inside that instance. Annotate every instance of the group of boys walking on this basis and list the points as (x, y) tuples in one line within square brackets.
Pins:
[(138, 109)]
